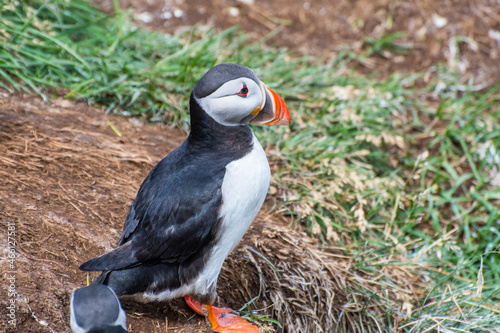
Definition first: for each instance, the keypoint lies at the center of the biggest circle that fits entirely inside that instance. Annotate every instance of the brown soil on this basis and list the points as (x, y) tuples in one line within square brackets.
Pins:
[(67, 179), (67, 182)]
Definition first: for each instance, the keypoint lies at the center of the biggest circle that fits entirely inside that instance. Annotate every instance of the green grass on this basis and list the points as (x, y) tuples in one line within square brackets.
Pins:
[(385, 169)]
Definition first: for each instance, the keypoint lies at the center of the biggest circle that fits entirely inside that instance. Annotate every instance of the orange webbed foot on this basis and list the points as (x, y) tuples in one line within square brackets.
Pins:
[(195, 306), (223, 320)]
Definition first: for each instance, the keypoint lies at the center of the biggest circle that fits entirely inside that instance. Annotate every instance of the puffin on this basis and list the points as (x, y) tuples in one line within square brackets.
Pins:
[(96, 309), (196, 204)]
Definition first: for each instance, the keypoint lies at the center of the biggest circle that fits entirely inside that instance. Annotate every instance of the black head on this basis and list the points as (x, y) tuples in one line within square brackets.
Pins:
[(220, 74), (230, 94), (95, 306)]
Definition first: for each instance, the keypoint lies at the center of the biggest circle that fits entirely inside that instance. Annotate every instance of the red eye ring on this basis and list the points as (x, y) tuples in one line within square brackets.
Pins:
[(244, 91)]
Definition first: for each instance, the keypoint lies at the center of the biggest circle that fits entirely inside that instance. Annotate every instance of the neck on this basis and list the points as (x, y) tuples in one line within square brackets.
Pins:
[(205, 131)]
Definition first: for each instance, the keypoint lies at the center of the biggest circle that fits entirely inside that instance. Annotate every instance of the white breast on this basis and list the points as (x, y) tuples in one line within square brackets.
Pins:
[(244, 189)]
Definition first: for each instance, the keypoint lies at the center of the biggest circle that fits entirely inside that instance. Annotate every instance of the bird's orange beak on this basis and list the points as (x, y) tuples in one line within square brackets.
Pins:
[(273, 110)]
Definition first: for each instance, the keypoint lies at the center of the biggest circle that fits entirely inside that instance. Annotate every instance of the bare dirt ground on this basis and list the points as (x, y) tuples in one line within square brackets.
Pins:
[(67, 182), (67, 179)]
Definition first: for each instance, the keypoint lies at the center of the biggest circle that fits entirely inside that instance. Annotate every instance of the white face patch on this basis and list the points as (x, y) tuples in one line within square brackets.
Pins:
[(230, 108)]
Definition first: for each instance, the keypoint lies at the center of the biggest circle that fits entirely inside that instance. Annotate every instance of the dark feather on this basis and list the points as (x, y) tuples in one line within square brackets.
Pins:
[(173, 220)]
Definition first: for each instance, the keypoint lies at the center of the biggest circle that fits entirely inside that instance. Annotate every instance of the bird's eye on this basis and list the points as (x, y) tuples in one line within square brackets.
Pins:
[(244, 91)]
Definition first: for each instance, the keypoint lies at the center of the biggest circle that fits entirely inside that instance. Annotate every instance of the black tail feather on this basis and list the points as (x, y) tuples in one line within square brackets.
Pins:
[(157, 278), (119, 258)]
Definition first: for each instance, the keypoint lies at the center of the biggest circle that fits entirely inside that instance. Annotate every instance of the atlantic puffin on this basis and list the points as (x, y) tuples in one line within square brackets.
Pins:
[(96, 309), (195, 204)]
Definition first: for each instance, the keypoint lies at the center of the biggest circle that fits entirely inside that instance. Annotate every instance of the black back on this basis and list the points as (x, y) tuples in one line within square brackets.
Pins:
[(173, 221)]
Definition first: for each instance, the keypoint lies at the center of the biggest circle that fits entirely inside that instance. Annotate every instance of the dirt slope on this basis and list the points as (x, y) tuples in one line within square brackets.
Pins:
[(67, 179), (67, 182)]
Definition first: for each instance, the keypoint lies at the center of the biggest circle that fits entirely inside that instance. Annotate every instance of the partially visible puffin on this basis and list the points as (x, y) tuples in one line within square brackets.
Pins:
[(96, 309), (195, 204)]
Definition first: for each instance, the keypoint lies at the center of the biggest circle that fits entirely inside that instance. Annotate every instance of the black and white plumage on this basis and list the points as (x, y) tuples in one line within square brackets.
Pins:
[(195, 205), (96, 309)]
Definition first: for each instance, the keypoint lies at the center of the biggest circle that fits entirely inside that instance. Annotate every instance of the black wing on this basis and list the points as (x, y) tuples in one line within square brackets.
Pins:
[(173, 216)]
